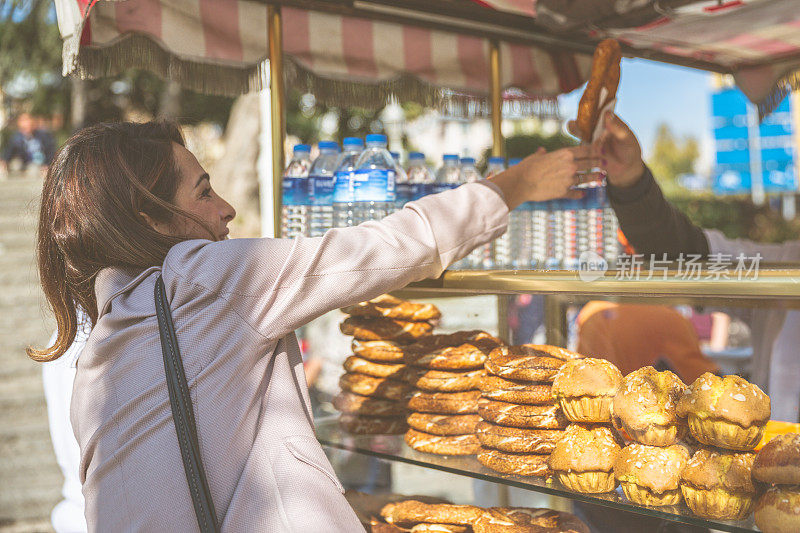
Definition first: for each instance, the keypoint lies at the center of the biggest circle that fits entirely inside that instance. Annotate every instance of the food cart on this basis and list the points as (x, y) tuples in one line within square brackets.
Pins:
[(433, 51)]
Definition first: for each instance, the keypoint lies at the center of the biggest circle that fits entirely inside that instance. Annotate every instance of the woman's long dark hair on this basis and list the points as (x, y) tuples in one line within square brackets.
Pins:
[(97, 187)]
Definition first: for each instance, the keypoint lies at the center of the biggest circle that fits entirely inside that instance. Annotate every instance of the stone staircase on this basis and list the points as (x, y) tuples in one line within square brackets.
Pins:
[(30, 480)]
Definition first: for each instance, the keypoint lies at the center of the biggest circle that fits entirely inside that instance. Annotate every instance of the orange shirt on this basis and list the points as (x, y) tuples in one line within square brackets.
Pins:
[(632, 336)]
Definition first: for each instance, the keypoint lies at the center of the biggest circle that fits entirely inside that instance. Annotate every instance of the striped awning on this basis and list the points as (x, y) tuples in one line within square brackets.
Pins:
[(217, 46), (758, 41)]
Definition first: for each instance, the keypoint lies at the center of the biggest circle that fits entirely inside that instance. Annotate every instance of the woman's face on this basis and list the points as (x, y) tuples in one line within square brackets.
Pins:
[(195, 195)]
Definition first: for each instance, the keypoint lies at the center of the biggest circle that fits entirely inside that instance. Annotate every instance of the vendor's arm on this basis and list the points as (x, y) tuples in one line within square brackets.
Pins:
[(650, 223), (276, 285)]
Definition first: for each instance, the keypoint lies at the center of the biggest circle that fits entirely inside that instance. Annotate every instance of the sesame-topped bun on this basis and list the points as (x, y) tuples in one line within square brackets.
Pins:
[(716, 484), (583, 460), (727, 412), (645, 407), (585, 388), (778, 461), (650, 475), (778, 510)]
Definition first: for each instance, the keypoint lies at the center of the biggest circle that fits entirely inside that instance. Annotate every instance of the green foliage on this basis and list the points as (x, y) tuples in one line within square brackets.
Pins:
[(672, 157), (737, 217), (29, 39)]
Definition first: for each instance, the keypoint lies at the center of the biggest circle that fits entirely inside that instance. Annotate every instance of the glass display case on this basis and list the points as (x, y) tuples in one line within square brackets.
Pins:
[(769, 288)]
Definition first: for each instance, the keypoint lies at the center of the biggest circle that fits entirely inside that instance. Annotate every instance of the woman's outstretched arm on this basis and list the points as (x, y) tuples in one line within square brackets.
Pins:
[(277, 285)]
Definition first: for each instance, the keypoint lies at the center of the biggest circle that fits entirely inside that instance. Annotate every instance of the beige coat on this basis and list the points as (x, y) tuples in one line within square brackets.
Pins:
[(235, 306)]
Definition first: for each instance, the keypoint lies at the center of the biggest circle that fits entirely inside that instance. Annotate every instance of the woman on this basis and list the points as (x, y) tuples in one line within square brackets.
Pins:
[(123, 203)]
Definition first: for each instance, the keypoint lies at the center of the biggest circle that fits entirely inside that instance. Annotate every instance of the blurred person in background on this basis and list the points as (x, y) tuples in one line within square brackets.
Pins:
[(632, 336), (58, 377), (31, 146)]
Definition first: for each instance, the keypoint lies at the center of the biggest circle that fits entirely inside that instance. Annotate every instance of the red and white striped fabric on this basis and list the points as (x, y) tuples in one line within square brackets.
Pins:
[(217, 34)]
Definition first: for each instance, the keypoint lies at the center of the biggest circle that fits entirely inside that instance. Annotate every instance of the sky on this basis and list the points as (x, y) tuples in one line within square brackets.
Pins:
[(651, 93)]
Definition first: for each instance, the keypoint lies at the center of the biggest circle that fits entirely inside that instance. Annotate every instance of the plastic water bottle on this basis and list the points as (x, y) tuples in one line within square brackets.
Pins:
[(480, 257), (447, 177), (374, 181), (571, 232), (296, 198), (402, 185), (343, 214), (611, 245), (594, 220), (468, 172), (501, 247), (540, 235), (321, 185), (556, 242), (420, 177)]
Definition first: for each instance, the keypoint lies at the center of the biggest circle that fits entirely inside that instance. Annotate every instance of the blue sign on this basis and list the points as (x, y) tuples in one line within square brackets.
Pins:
[(734, 156)]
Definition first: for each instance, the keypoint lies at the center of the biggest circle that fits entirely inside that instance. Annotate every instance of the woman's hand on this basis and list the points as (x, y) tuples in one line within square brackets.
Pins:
[(546, 175), (620, 153)]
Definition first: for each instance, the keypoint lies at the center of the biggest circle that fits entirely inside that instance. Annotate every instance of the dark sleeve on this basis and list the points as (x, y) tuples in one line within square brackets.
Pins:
[(651, 224)]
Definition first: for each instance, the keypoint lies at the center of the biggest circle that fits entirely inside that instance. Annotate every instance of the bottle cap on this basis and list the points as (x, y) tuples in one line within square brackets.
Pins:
[(497, 160), (376, 138), (515, 161), (467, 160), (327, 145), (352, 141), (416, 155), (450, 157), (395, 156), (302, 148)]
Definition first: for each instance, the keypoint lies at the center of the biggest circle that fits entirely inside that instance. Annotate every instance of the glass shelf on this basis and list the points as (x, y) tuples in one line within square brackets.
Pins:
[(774, 283), (392, 448)]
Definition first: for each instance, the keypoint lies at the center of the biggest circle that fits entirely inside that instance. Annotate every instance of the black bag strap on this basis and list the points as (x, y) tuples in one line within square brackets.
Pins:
[(183, 415)]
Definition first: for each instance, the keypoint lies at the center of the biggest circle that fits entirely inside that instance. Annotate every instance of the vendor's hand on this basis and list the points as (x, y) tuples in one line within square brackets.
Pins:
[(619, 150)]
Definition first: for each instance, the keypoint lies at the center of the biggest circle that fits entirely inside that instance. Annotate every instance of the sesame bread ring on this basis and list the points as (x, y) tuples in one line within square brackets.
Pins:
[(527, 520), (466, 350), (445, 403), (517, 440), (370, 368), (522, 464), (442, 444), (390, 307), (526, 362), (347, 402), (376, 329), (372, 425), (409, 513), (443, 381), (387, 389), (438, 528), (522, 416), (443, 424), (377, 526), (507, 390), (379, 351)]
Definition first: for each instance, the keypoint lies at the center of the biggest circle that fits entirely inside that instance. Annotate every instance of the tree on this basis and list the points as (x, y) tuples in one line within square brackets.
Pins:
[(672, 157)]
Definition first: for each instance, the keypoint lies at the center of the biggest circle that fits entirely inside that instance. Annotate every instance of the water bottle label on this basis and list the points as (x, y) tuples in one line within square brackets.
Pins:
[(441, 187), (375, 185), (421, 190), (343, 187), (321, 190), (404, 193), (296, 191)]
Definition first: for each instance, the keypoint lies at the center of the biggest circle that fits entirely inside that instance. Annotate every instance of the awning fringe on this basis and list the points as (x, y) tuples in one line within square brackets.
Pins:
[(138, 51), (783, 87)]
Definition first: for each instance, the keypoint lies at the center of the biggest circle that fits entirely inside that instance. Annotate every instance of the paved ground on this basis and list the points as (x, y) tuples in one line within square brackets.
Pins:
[(30, 480)]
